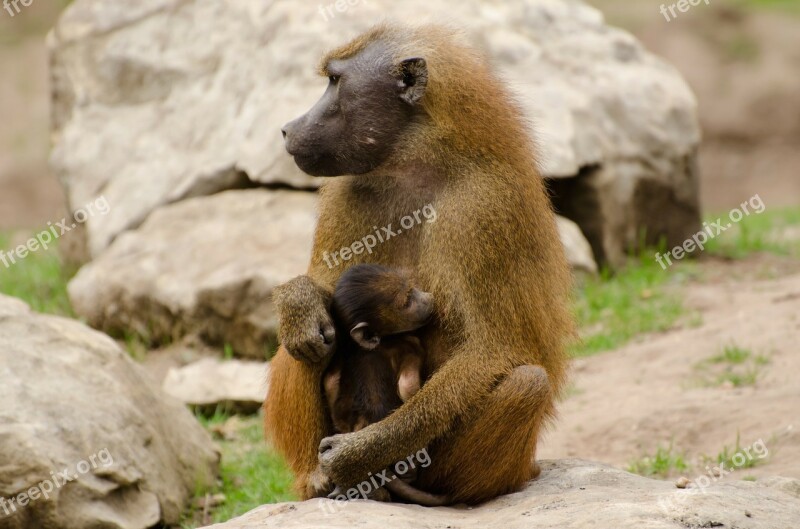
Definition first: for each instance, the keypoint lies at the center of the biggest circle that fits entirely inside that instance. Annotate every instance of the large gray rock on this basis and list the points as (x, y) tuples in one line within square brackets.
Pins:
[(212, 383), (576, 247), (569, 494), (167, 99), (205, 266), (74, 402)]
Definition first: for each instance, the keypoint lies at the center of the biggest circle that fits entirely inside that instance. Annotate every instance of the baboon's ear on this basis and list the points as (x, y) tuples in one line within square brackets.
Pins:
[(363, 337), (413, 79)]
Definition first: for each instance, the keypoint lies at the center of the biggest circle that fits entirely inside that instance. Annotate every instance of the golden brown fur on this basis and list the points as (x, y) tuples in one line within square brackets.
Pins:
[(494, 264)]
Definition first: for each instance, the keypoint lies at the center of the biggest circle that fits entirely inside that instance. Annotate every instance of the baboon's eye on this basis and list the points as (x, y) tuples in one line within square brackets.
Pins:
[(333, 79)]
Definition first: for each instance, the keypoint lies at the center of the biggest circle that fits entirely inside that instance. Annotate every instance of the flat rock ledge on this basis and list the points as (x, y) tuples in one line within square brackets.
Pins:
[(568, 494)]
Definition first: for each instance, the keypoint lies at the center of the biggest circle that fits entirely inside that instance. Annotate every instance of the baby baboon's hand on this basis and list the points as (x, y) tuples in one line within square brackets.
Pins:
[(306, 327)]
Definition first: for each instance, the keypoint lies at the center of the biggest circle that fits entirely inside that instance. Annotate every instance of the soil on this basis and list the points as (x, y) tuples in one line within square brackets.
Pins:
[(662, 389)]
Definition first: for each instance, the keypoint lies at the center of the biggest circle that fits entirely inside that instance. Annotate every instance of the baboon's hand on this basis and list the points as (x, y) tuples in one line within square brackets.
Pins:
[(343, 457), (306, 327)]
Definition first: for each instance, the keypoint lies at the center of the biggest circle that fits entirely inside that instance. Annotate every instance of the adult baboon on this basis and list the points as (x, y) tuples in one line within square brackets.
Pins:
[(412, 116)]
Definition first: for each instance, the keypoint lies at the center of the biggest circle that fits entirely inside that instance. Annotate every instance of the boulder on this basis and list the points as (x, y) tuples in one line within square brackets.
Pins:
[(204, 266), (211, 383), (86, 439), (577, 248), (569, 494), (168, 100)]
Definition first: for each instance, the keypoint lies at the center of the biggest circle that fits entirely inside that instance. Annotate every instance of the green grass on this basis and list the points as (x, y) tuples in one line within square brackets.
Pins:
[(738, 380), (663, 463), (135, 345), (757, 233), (252, 474), (734, 366), (742, 47), (788, 5), (40, 279), (731, 354), (728, 457), (611, 309)]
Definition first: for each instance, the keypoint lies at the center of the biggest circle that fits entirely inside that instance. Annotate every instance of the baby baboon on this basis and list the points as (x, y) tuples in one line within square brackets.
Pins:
[(378, 360)]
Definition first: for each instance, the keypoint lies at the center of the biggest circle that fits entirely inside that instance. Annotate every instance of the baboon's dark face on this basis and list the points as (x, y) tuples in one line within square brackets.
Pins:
[(355, 126), (406, 309), (373, 301), (395, 307)]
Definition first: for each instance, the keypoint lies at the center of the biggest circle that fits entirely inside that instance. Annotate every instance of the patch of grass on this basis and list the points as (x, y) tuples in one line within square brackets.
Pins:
[(251, 473), (758, 232), (40, 279), (786, 5), (749, 478), (734, 366), (736, 457), (742, 47), (731, 354), (613, 308), (135, 345), (738, 380), (663, 463)]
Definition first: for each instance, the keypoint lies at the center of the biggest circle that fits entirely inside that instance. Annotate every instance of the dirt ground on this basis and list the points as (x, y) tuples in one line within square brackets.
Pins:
[(661, 390)]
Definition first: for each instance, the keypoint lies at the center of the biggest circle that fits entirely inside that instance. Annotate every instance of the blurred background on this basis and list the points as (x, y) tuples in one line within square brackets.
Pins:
[(741, 59), (676, 368)]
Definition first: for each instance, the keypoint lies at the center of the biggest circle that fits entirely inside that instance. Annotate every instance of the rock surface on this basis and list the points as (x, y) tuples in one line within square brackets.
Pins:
[(168, 100), (577, 248), (212, 382), (205, 266), (569, 494), (666, 390), (75, 402)]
